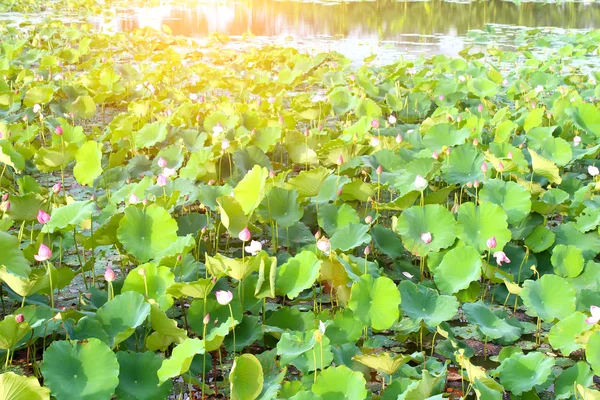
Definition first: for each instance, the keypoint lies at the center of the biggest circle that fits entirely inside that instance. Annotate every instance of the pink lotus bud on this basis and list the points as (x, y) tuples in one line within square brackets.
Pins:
[(426, 237), (43, 217), (19, 318), (469, 184), (576, 140), (224, 144), (484, 167), (281, 120), (58, 130), (500, 166), (593, 170), (491, 243), (245, 235), (339, 192), (5, 196), (392, 120), (213, 279), (441, 97), (475, 142), (224, 297), (323, 244), (206, 319), (109, 274), (375, 124), (435, 155), (420, 183), (509, 155), (162, 180), (459, 118), (142, 271), (374, 141), (306, 132), (133, 199), (595, 317), (57, 188), (340, 160), (448, 151), (367, 250), (179, 257), (379, 170), (211, 182), (476, 184), (5, 206), (480, 108), (162, 163), (44, 253), (271, 174), (368, 219), (145, 202), (398, 138), (318, 235)]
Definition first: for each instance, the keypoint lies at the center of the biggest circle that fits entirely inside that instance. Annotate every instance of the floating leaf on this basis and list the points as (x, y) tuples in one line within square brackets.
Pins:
[(432, 218), (477, 224), (549, 297), (375, 302), (520, 373), (86, 370), (421, 303)]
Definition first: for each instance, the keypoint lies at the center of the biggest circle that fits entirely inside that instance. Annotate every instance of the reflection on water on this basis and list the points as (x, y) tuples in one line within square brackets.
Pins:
[(419, 26)]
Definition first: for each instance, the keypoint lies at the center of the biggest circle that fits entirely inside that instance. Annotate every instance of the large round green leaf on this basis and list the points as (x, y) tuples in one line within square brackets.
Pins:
[(17, 387), (563, 335), (146, 233), (89, 162), (578, 374), (520, 373), (549, 297), (86, 370), (158, 280), (350, 236), (83, 107), (297, 274), (120, 316), (459, 267), (540, 239), (11, 255), (477, 224), (11, 332), (482, 87), (490, 324), (282, 206), (433, 219), (246, 378), (514, 199), (567, 261), (421, 303), (251, 189), (232, 215), (340, 383), (138, 378), (332, 217), (69, 215), (375, 301), (180, 360), (463, 166), (150, 134), (592, 352)]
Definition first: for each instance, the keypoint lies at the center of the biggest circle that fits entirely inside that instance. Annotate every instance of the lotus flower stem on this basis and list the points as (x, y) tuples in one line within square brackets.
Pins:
[(51, 286), (485, 347), (204, 358), (432, 344), (315, 363), (233, 328)]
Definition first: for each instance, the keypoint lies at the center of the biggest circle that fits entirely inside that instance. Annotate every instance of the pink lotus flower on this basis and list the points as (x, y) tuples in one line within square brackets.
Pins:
[(224, 297), (245, 235), (593, 170), (426, 237), (595, 311), (19, 318), (167, 172), (58, 130), (500, 257), (491, 243), (162, 163), (5, 206), (379, 170), (162, 180), (43, 217), (435, 155), (109, 274), (217, 129), (133, 199), (44, 253), (576, 140), (57, 188), (392, 120), (323, 244), (375, 123), (484, 167), (254, 248)]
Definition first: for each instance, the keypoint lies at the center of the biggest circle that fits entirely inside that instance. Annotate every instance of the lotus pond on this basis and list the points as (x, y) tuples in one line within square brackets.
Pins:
[(184, 219)]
